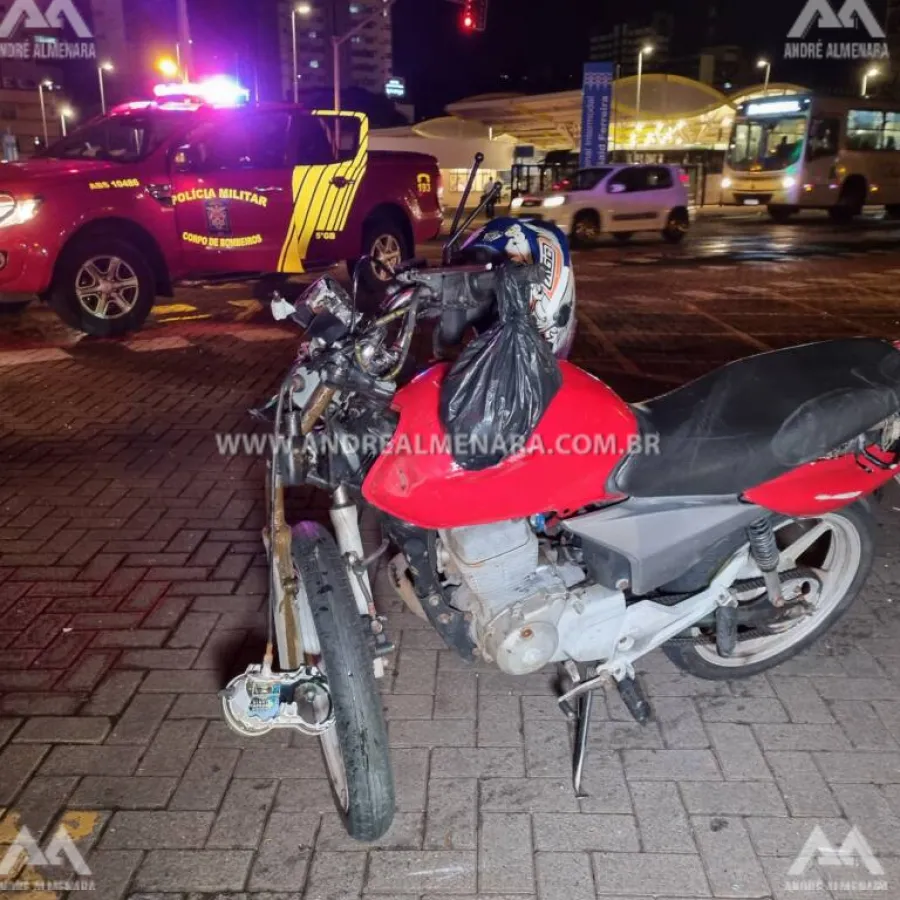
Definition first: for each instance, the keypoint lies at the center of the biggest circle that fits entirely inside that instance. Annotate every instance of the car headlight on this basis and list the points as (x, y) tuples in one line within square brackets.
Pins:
[(554, 201), (17, 212), (727, 182), (788, 181), (517, 202)]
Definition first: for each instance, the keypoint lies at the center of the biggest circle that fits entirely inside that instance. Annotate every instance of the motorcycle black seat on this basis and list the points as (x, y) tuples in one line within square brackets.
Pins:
[(759, 417)]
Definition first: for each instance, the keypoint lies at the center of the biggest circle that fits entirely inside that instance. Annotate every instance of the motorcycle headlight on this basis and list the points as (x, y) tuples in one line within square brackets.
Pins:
[(559, 200), (17, 212)]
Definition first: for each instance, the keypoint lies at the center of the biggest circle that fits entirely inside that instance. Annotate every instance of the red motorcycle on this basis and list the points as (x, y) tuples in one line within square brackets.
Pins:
[(727, 523)]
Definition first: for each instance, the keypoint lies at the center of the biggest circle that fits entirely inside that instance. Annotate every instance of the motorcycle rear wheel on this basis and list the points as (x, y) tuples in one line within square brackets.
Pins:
[(841, 555), (356, 749)]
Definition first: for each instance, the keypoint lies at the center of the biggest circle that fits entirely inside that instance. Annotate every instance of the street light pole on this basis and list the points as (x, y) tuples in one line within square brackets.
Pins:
[(103, 67), (644, 51), (301, 9), (41, 86), (870, 73), (765, 64)]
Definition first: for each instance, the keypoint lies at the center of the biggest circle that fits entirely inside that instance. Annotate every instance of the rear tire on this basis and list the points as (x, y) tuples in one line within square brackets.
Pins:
[(359, 727), (383, 239), (850, 203), (103, 286), (854, 526), (676, 227)]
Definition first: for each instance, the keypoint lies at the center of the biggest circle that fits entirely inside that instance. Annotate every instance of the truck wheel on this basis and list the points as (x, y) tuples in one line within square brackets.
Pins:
[(103, 286), (385, 242)]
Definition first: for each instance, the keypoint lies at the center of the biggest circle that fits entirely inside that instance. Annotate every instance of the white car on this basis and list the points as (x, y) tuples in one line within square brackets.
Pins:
[(617, 200)]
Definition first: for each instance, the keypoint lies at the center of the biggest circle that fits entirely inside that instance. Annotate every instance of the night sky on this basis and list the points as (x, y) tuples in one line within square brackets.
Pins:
[(538, 45)]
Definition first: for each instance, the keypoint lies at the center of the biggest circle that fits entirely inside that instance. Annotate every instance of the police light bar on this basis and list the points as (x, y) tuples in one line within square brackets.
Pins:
[(217, 91), (774, 108)]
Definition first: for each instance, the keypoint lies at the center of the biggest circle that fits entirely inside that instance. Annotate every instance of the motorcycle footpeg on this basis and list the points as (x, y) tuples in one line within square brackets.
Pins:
[(261, 700), (635, 701), (726, 630)]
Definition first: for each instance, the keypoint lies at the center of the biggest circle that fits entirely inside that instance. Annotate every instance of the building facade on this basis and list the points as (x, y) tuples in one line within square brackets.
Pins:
[(366, 58), (623, 42)]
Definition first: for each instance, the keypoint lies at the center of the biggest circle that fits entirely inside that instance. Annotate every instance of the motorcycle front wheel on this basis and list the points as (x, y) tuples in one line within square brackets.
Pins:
[(838, 548), (356, 747)]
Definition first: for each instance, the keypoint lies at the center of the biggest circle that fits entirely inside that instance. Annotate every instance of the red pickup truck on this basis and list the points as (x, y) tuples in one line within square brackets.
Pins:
[(109, 218)]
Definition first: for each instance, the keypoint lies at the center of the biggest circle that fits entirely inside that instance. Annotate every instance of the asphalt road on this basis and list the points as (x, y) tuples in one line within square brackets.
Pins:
[(651, 315)]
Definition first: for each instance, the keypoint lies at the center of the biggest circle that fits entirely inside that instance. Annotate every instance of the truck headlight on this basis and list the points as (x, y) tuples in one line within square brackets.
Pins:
[(17, 212), (727, 182), (559, 200)]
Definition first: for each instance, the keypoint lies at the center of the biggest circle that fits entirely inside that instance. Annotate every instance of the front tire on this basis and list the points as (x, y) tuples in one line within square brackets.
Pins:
[(586, 229), (356, 748), (104, 286), (842, 557)]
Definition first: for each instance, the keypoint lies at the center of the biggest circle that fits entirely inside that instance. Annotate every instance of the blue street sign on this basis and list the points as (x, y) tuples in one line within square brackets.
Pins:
[(596, 103)]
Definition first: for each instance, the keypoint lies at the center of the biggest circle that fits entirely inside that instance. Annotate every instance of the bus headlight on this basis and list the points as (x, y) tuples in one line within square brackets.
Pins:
[(727, 182), (559, 200), (788, 181)]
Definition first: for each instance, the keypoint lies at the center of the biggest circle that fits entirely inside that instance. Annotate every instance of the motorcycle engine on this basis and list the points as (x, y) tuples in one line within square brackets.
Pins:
[(514, 588)]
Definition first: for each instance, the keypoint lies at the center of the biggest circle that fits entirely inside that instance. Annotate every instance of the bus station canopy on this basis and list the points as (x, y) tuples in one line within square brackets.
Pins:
[(675, 112)]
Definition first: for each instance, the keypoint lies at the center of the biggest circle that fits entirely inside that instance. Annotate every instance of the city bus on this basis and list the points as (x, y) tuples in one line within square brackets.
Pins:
[(803, 152)]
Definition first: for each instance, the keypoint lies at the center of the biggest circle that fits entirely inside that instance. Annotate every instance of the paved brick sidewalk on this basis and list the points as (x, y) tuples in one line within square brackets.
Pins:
[(132, 586)]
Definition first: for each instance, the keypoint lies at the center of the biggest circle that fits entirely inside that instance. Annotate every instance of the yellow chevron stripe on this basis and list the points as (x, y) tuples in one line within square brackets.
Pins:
[(318, 204)]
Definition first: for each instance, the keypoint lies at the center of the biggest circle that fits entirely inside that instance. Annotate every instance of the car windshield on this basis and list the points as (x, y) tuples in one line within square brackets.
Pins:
[(588, 179), (123, 139), (769, 144)]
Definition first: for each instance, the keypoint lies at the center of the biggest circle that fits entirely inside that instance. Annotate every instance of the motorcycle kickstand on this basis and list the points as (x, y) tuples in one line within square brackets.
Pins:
[(582, 732)]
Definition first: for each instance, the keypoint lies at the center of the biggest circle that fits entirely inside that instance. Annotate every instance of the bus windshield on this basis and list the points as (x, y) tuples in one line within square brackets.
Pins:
[(766, 144)]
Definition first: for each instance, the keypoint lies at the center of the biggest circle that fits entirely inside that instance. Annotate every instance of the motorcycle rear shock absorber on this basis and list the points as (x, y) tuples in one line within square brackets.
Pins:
[(765, 553)]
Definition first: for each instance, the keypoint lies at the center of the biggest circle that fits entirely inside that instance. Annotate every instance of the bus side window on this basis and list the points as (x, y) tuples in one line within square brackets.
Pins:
[(892, 131), (823, 134)]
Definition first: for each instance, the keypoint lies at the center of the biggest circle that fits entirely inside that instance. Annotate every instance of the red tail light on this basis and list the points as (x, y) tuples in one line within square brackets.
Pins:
[(685, 178)]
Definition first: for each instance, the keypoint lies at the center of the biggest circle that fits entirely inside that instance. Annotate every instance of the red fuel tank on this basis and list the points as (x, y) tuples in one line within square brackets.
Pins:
[(582, 437)]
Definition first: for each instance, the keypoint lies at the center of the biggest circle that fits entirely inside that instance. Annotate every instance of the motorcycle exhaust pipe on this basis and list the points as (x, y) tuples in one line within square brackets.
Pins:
[(398, 569)]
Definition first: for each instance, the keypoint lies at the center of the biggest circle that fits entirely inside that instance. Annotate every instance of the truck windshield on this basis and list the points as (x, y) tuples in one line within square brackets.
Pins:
[(123, 139), (766, 144)]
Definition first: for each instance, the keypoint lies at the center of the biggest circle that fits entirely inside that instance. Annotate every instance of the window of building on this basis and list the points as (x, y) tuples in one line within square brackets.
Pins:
[(355, 9), (314, 64)]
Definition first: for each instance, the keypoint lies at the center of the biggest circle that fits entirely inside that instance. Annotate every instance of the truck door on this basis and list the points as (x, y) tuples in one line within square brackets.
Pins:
[(232, 192), (330, 153)]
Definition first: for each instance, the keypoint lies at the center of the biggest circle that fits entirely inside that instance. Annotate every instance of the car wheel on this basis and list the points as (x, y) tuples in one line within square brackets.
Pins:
[(676, 226), (387, 246), (623, 237), (781, 214), (850, 203), (586, 228), (103, 286)]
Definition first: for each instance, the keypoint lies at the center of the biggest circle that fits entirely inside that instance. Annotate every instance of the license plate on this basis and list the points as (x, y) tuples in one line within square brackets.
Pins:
[(751, 203)]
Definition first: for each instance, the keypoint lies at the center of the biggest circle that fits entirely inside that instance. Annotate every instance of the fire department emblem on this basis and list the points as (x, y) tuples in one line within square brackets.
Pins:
[(218, 220)]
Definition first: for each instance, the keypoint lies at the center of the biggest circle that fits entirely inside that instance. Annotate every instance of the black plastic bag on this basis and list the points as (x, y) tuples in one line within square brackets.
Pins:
[(494, 396)]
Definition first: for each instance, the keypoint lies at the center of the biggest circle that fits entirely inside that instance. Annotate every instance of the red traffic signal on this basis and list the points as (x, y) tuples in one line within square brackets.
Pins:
[(474, 16)]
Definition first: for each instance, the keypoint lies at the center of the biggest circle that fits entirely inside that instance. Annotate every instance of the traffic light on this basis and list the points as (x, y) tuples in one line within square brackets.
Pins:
[(474, 17)]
